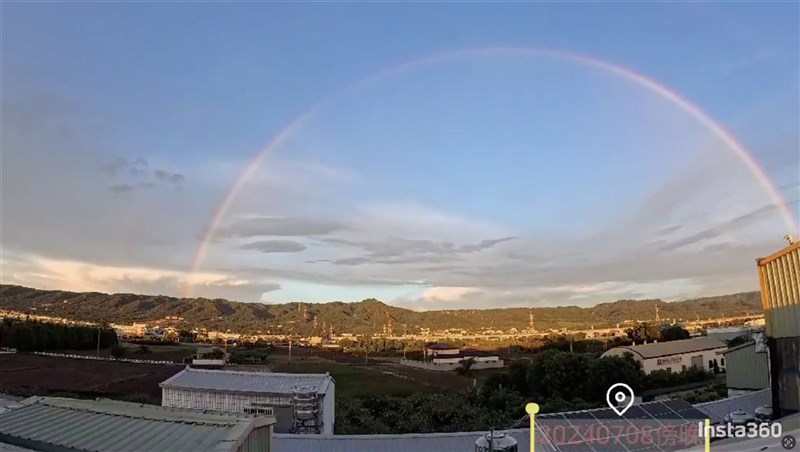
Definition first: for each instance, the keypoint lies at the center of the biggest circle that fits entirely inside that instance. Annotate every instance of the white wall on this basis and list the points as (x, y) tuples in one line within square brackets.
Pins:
[(675, 362), (328, 410), (684, 360)]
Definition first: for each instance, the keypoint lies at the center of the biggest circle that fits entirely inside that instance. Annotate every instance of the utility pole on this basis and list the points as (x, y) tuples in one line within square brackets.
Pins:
[(98, 341), (290, 349)]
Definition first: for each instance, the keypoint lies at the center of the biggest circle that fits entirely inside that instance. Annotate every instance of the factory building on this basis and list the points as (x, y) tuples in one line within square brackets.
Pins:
[(779, 277), (301, 403), (747, 367), (676, 356)]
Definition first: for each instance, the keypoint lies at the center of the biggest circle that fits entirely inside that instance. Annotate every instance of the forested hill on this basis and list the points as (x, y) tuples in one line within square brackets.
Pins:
[(366, 316)]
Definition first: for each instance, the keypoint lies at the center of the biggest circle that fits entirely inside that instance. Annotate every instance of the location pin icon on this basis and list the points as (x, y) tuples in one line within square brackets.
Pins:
[(618, 393)]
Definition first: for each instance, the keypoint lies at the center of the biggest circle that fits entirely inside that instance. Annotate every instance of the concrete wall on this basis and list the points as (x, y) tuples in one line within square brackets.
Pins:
[(448, 367)]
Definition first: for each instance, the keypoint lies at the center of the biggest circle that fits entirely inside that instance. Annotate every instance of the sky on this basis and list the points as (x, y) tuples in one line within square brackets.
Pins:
[(433, 156)]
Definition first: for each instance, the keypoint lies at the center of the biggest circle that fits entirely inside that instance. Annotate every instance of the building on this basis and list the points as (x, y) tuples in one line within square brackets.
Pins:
[(445, 357), (779, 277), (747, 367), (60, 424), (732, 332), (300, 402), (675, 356), (210, 356)]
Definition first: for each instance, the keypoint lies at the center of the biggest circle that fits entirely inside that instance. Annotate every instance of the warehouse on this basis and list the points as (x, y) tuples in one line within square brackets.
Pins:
[(675, 356), (747, 367), (779, 276), (302, 403), (61, 424)]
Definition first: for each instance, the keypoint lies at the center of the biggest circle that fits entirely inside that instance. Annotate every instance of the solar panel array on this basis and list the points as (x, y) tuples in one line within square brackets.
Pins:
[(656, 426)]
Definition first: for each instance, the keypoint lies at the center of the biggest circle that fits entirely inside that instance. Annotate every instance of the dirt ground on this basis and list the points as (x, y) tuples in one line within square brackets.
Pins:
[(23, 374)]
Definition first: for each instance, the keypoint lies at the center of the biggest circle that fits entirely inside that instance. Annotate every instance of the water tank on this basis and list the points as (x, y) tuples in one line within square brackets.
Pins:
[(499, 442)]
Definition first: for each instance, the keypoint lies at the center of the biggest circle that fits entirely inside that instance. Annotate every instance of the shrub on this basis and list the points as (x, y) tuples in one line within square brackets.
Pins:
[(117, 351)]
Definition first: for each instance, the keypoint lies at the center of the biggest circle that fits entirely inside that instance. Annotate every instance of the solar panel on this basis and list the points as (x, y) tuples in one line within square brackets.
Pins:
[(580, 418), (636, 412), (677, 404), (575, 447), (655, 408), (692, 414)]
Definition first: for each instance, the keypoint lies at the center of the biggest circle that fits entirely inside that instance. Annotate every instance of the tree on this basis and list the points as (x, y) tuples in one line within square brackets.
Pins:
[(607, 371), (644, 332), (117, 351), (674, 333), (465, 365)]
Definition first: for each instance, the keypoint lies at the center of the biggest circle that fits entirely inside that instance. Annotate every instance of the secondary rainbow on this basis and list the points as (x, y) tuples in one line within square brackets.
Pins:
[(684, 104)]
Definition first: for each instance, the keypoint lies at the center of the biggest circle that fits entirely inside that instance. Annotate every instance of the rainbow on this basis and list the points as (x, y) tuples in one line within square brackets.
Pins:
[(684, 104)]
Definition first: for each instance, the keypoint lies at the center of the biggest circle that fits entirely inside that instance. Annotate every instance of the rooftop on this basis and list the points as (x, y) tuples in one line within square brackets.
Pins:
[(247, 382), (441, 346), (659, 349), (45, 423)]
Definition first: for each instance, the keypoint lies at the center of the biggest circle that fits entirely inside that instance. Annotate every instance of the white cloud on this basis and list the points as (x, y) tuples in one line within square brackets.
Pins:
[(449, 293)]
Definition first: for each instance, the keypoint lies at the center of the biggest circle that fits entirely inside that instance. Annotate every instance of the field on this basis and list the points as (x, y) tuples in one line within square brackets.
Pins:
[(174, 353), (357, 377), (42, 375)]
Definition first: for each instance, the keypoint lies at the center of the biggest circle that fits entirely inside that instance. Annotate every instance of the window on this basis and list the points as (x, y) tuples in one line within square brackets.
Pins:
[(710, 364), (683, 367), (722, 361)]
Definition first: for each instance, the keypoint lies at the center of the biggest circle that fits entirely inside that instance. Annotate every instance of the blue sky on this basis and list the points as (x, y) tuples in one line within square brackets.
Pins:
[(473, 179)]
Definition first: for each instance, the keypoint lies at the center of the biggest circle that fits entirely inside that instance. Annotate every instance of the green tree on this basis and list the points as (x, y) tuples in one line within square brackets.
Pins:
[(606, 371), (644, 332), (674, 333)]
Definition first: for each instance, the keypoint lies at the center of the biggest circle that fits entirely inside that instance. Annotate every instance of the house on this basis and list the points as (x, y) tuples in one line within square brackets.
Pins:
[(675, 356), (302, 403), (61, 424)]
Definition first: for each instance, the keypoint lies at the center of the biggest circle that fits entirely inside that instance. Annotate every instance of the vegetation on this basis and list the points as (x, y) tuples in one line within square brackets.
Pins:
[(674, 333), (117, 351), (249, 355), (557, 380), (368, 316), (34, 336)]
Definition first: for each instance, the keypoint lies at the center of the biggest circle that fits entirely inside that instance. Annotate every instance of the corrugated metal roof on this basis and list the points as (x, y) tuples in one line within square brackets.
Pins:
[(250, 382), (105, 425), (12, 448), (718, 409), (659, 349)]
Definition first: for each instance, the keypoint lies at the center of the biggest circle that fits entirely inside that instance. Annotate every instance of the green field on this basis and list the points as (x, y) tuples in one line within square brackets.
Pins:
[(351, 380)]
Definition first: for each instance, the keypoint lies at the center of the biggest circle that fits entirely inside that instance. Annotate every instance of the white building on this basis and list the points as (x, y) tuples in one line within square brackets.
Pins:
[(445, 357), (253, 392), (732, 332), (675, 356)]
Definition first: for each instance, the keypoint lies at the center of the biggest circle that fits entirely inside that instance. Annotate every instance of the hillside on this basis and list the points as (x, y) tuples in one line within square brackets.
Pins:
[(366, 316)]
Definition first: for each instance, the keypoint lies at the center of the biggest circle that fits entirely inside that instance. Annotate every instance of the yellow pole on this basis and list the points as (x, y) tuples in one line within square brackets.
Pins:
[(532, 409), (708, 435)]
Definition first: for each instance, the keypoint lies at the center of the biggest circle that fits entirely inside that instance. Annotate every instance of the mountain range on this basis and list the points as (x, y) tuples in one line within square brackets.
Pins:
[(367, 316)]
